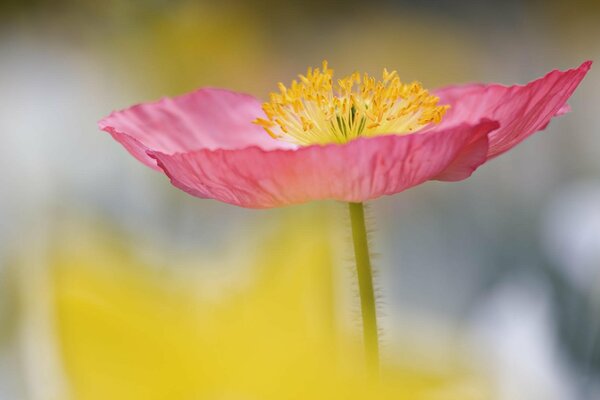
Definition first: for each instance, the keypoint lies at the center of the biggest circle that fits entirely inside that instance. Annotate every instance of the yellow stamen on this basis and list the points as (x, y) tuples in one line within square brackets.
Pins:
[(315, 111)]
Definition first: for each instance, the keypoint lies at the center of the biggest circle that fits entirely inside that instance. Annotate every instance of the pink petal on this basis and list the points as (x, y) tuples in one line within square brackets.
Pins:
[(204, 119), (521, 110), (467, 161), (357, 171)]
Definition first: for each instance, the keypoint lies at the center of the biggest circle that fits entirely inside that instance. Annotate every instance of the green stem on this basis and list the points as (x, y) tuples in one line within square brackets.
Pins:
[(365, 284)]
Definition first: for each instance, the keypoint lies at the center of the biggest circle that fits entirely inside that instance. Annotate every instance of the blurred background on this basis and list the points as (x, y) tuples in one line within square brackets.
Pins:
[(113, 284)]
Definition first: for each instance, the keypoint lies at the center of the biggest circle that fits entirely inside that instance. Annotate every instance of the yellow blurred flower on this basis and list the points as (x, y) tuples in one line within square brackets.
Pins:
[(128, 331)]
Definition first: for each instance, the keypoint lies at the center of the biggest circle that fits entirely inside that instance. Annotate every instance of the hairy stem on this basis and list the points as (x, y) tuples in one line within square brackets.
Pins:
[(365, 284)]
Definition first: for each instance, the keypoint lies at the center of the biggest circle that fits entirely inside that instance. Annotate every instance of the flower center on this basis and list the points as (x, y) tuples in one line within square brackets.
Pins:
[(314, 110)]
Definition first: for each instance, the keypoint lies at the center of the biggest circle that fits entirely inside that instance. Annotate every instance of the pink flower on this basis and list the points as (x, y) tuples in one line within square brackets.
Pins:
[(207, 144)]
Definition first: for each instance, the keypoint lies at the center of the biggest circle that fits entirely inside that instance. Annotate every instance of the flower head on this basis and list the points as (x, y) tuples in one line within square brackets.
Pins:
[(355, 140)]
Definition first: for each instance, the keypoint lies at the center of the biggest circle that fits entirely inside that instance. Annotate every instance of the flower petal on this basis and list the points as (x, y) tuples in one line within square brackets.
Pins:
[(467, 161), (360, 170), (520, 109), (204, 119)]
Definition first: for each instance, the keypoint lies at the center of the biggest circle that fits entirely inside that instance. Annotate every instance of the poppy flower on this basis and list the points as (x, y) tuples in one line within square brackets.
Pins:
[(124, 332), (352, 140)]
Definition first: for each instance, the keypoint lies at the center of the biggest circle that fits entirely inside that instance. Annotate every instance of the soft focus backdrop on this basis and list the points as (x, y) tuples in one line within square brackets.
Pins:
[(115, 285)]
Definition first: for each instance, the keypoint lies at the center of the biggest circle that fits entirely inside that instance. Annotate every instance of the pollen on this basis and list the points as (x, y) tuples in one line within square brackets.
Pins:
[(315, 109)]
